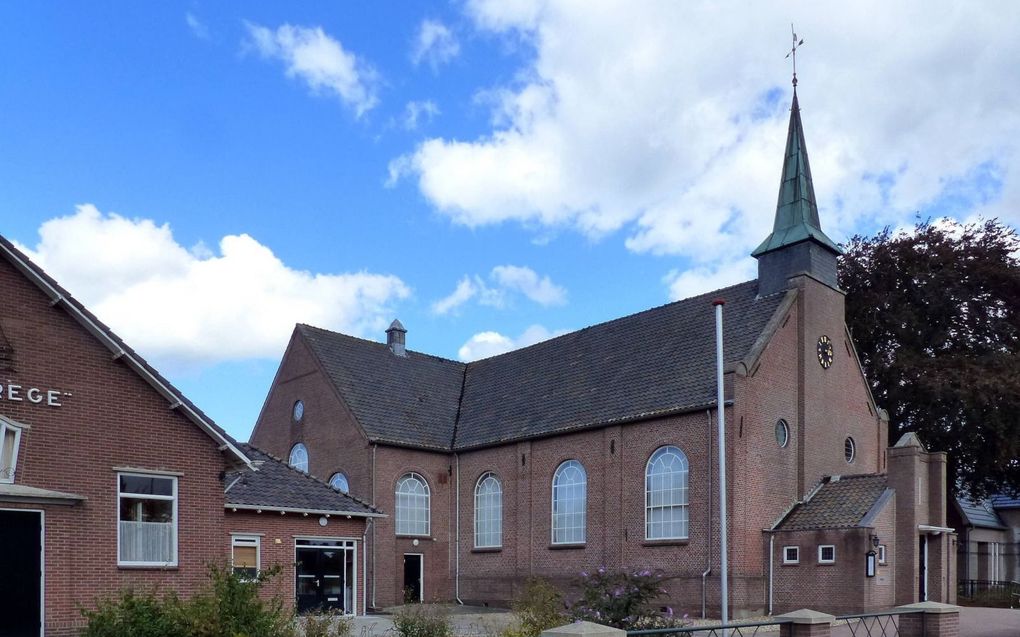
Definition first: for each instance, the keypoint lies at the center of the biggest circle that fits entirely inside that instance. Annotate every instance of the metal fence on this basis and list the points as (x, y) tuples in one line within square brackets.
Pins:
[(885, 624), (749, 629), (994, 588)]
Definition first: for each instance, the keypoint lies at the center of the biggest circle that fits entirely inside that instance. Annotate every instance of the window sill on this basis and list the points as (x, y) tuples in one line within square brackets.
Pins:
[(147, 567), (790, 564), (567, 547), (676, 542), (488, 549)]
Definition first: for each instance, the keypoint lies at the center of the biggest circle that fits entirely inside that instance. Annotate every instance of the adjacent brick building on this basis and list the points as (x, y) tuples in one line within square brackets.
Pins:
[(111, 479), (596, 448)]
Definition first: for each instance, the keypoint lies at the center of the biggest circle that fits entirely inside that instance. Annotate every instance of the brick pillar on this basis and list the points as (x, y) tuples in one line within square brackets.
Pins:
[(805, 623), (934, 620)]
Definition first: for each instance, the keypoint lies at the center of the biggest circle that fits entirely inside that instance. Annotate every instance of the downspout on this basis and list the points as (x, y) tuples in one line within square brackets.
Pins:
[(708, 534), (456, 575), (364, 567), (375, 567), (772, 553)]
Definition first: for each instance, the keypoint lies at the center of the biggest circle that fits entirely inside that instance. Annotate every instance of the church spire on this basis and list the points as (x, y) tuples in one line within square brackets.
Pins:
[(797, 244), (796, 211)]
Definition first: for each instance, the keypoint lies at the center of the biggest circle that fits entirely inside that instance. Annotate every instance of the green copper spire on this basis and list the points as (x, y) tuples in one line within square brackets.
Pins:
[(796, 212)]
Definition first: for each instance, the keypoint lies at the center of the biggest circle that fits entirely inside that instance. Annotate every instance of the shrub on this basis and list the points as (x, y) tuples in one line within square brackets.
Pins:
[(422, 620), (133, 615), (617, 599), (330, 623), (539, 607), (228, 607)]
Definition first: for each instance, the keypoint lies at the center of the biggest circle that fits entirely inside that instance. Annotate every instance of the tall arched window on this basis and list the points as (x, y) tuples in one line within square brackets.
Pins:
[(339, 482), (569, 501), (488, 512), (666, 495), (412, 506), (299, 457)]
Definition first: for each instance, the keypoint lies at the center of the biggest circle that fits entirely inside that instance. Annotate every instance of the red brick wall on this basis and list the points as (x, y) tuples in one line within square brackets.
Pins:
[(278, 534), (111, 418)]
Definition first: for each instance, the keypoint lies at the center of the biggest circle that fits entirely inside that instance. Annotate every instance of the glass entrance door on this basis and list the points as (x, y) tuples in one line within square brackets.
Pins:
[(20, 568), (326, 575)]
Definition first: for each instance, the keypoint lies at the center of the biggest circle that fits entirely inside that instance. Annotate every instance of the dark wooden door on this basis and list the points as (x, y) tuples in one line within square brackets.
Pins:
[(21, 568)]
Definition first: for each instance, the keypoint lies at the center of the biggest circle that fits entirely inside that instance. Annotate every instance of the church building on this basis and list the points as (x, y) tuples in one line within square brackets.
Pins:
[(596, 449)]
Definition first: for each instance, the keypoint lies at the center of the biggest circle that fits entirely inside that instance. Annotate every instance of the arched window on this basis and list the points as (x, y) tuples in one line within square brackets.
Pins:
[(849, 449), (299, 457), (412, 507), (339, 482), (666, 495), (569, 501), (488, 512)]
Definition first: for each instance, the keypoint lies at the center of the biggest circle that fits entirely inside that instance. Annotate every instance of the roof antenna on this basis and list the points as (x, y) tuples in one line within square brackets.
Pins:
[(793, 53)]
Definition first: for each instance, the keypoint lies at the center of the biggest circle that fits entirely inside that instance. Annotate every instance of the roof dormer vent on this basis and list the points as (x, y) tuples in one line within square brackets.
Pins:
[(395, 338)]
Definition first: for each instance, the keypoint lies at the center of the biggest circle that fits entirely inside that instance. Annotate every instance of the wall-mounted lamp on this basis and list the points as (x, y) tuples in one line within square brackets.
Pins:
[(875, 541)]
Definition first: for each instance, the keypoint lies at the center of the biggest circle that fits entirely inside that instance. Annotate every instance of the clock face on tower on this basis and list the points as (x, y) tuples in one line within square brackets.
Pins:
[(825, 353)]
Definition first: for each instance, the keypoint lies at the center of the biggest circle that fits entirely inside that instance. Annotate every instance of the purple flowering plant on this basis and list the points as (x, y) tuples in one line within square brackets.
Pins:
[(620, 599)]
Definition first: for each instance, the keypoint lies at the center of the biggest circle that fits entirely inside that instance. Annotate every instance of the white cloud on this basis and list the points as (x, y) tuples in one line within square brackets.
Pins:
[(414, 111), (541, 290), (197, 27), (435, 44), (666, 121), (197, 306), (486, 344), (687, 283), (506, 280), (321, 61)]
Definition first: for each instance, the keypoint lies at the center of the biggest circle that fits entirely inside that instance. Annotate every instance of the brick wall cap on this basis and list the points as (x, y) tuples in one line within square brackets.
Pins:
[(934, 608), (588, 629), (806, 616)]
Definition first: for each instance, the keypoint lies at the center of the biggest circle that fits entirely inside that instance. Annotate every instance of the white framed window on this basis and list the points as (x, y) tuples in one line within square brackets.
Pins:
[(299, 457), (569, 503), (849, 450), (827, 554), (881, 554), (488, 512), (147, 520), (246, 556), (666, 495), (782, 433), (412, 505), (791, 555), (10, 441), (339, 482)]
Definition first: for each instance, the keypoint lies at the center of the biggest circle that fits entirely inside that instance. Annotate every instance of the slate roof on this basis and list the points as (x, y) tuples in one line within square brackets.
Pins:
[(655, 362), (276, 485), (404, 400), (1005, 502), (979, 514), (837, 504)]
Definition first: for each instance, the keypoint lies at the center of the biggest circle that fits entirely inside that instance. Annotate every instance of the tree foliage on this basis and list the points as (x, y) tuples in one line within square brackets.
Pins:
[(935, 315)]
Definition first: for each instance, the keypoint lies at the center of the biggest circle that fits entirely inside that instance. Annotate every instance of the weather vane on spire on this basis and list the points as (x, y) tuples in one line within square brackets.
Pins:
[(793, 53)]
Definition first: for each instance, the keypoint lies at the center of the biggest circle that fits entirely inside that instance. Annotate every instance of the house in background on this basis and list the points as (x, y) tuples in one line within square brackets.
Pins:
[(989, 547), (111, 479), (597, 448)]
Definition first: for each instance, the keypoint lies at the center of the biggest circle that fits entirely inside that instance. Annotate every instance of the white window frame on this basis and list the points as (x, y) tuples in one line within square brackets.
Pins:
[(411, 475), (290, 457), (882, 555), (853, 449), (138, 496), (795, 560), (5, 426), (683, 506), (236, 540), (340, 474), (826, 546), (569, 464), (495, 519)]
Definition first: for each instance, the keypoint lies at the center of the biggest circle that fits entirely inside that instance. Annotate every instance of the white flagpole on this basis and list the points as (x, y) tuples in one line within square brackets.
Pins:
[(720, 402)]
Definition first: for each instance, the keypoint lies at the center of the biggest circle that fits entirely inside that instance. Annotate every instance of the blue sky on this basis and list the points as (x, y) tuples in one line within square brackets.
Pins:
[(204, 175)]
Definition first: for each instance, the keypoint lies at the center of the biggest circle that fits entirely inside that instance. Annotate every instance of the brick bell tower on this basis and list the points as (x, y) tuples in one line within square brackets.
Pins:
[(797, 244)]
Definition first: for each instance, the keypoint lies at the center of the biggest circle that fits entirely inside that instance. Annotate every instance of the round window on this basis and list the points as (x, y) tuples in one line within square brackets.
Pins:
[(782, 433), (849, 449), (299, 411)]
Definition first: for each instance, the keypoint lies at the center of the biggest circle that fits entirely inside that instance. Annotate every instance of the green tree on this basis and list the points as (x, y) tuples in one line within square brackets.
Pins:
[(935, 315)]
